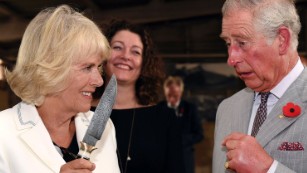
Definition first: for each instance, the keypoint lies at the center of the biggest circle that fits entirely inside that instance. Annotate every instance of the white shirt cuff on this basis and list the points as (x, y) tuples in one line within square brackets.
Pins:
[(273, 167)]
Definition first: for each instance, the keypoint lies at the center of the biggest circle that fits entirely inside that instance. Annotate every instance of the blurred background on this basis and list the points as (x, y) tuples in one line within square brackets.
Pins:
[(186, 33)]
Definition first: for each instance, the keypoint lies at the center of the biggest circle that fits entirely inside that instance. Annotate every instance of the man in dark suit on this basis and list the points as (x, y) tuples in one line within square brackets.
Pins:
[(188, 121)]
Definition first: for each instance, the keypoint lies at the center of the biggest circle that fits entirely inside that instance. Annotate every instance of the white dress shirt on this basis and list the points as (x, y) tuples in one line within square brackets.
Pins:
[(276, 93)]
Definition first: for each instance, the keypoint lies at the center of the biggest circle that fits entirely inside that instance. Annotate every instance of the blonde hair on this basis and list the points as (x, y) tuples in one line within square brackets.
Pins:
[(54, 40), (174, 80)]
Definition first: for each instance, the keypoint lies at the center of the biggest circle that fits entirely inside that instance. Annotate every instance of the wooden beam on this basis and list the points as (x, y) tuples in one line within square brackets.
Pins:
[(162, 11)]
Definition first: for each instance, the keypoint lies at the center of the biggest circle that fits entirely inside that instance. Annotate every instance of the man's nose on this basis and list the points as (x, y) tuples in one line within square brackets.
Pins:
[(233, 56)]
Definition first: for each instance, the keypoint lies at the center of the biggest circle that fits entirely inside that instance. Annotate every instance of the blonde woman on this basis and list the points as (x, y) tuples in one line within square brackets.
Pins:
[(57, 70)]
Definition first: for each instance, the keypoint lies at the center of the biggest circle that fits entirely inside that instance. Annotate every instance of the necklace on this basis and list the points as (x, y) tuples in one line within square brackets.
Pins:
[(130, 139), (129, 144)]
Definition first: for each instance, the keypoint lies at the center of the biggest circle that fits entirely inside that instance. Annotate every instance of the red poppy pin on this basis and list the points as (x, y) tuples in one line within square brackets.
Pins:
[(181, 110), (291, 110)]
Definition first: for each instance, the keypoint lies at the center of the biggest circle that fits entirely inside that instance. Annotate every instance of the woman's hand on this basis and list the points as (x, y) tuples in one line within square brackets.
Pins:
[(78, 166)]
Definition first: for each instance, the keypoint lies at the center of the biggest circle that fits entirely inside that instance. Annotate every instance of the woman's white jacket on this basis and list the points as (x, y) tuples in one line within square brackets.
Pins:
[(26, 146)]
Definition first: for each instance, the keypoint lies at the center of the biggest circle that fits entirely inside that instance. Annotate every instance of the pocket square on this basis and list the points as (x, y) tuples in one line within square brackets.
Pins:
[(291, 146)]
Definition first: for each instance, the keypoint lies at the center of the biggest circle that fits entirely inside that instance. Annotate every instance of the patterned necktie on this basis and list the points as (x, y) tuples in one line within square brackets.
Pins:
[(261, 113)]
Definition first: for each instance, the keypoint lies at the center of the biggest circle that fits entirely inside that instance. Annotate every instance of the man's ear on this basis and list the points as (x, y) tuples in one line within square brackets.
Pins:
[(284, 40)]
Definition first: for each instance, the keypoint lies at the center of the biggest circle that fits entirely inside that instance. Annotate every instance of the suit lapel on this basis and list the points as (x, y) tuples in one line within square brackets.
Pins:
[(82, 122), (36, 137), (40, 143), (274, 123), (242, 115), (183, 110)]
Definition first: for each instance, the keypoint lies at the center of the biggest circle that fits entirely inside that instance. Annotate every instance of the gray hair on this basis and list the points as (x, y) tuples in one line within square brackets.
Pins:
[(269, 15)]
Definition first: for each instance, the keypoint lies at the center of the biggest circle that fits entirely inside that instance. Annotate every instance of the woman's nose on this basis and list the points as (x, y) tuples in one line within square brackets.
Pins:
[(125, 54), (97, 80)]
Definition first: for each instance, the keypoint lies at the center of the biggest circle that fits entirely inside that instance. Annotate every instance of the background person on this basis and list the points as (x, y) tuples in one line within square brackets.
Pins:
[(187, 119), (57, 70), (147, 141), (262, 40)]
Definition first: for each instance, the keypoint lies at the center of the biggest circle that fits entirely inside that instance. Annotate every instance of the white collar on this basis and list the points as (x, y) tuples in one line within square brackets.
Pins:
[(284, 84), (174, 107)]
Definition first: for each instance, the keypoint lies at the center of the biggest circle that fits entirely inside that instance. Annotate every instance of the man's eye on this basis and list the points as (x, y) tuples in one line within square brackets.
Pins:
[(242, 43)]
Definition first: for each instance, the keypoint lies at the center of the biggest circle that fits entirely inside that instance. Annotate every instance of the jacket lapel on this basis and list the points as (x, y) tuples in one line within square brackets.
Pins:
[(82, 121), (42, 146), (242, 115), (36, 137), (276, 122)]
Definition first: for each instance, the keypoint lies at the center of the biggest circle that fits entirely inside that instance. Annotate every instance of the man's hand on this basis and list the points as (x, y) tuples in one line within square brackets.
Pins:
[(245, 154), (78, 166)]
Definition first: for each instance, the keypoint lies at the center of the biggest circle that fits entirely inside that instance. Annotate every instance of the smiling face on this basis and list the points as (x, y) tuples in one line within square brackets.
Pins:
[(84, 77), (258, 63), (126, 57)]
